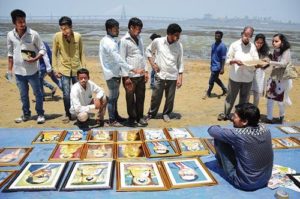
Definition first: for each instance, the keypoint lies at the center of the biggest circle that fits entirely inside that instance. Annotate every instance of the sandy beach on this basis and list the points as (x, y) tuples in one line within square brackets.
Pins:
[(190, 108)]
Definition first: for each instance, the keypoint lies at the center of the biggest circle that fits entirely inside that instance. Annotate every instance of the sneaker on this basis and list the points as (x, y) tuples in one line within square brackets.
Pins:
[(166, 118), (115, 124), (23, 118), (40, 119), (142, 122), (223, 117), (66, 120), (53, 91)]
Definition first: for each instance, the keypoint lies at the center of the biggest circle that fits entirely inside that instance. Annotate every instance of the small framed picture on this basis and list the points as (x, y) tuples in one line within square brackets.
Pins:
[(139, 176), (96, 135), (48, 137), (154, 134), (37, 177), (192, 146), (13, 156), (66, 152), (210, 144), (179, 133), (287, 142), (277, 145), (73, 136), (98, 151), (130, 150), (289, 129), (295, 178), (5, 175), (160, 148), (89, 175), (189, 172), (128, 136)]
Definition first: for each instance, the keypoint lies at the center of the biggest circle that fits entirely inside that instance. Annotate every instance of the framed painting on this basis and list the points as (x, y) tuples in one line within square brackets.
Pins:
[(140, 176), (130, 150), (128, 136), (210, 144), (296, 139), (75, 136), (89, 175), (192, 146), (160, 148), (96, 135), (154, 134), (5, 175), (37, 177), (189, 172), (48, 137), (66, 152), (289, 129), (98, 151), (295, 178), (277, 145), (179, 133), (287, 142), (13, 156)]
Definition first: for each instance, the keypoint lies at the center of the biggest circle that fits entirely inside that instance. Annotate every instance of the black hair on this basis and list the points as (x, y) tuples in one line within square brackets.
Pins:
[(65, 21), (17, 14), (154, 36), (218, 32), (173, 28), (135, 22), (285, 44), (264, 50), (110, 23), (248, 112), (83, 71)]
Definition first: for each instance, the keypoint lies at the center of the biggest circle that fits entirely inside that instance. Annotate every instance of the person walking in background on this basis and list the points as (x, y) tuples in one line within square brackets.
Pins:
[(258, 84), (277, 85), (25, 48), (45, 67), (245, 152), (67, 58), (240, 76), (152, 37), (112, 63), (168, 66), (218, 56), (132, 51)]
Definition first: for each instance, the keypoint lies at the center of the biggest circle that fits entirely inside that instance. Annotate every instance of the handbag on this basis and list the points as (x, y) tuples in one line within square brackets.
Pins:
[(290, 72)]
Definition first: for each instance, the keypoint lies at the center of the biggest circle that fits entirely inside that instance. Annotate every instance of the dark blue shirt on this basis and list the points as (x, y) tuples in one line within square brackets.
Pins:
[(218, 53), (253, 151)]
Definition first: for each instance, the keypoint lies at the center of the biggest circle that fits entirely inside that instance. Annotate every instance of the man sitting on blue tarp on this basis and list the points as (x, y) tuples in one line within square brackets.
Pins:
[(244, 152)]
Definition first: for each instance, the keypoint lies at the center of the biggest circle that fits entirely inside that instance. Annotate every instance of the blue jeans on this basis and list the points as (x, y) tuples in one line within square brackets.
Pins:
[(23, 85), (43, 82), (152, 82), (113, 85), (67, 82), (226, 157)]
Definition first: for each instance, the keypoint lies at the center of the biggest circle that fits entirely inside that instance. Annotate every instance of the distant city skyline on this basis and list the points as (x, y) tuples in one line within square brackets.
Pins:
[(278, 10)]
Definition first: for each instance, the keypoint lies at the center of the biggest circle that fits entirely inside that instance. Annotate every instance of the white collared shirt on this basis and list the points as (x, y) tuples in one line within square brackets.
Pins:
[(239, 51), (81, 98), (29, 41), (110, 58), (133, 54), (168, 57)]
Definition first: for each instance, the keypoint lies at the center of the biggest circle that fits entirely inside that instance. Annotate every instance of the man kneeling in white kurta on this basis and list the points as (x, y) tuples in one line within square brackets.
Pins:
[(82, 101)]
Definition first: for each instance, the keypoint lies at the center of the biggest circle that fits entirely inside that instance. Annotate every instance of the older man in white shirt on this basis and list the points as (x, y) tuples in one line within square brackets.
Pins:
[(168, 65), (82, 100), (132, 50), (240, 76)]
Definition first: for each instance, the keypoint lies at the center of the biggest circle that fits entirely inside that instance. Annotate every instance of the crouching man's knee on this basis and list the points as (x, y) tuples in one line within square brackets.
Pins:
[(83, 116)]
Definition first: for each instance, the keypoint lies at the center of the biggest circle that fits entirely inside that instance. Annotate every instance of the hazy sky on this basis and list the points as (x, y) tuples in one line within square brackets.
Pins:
[(282, 10)]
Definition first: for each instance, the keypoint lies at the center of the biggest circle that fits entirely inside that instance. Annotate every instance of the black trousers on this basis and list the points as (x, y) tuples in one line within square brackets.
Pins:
[(135, 99)]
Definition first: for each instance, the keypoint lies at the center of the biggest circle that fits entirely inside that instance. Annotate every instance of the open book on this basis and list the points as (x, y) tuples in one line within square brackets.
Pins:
[(27, 54), (255, 63)]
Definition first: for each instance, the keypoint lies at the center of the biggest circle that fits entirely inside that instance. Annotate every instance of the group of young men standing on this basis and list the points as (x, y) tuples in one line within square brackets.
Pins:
[(121, 61)]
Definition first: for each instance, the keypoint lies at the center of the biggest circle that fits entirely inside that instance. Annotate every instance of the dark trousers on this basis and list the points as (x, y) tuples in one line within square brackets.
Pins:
[(169, 86), (67, 83), (135, 99), (214, 77)]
